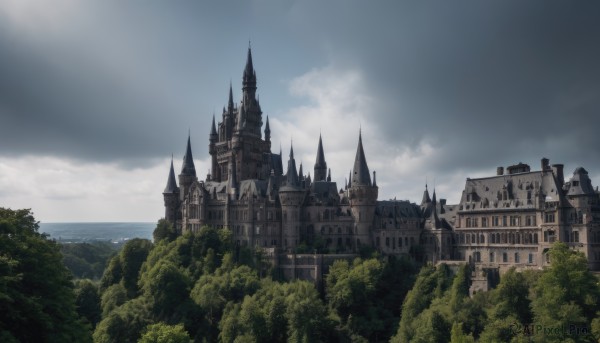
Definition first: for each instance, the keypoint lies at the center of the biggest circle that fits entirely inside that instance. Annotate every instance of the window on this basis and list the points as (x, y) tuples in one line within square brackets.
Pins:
[(492, 257), (468, 222), (576, 237), (481, 239), (514, 220), (504, 257), (484, 222), (477, 256), (493, 238), (549, 218), (530, 259), (400, 242), (530, 220), (495, 221), (387, 241), (503, 220), (516, 257)]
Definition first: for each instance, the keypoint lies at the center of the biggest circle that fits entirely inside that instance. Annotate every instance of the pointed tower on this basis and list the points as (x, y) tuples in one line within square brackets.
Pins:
[(171, 197), (329, 175), (188, 171), (363, 197), (291, 197), (268, 132), (292, 174), (320, 164), (426, 198), (250, 112), (361, 170), (212, 150)]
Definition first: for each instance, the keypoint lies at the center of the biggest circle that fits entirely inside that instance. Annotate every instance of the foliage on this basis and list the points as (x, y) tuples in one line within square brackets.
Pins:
[(125, 266), (87, 301), (87, 260), (164, 230), (163, 333), (36, 293)]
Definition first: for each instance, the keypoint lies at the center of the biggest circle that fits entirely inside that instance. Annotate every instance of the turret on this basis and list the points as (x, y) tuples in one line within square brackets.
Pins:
[(320, 164), (212, 150), (362, 196), (291, 197), (188, 171), (171, 197)]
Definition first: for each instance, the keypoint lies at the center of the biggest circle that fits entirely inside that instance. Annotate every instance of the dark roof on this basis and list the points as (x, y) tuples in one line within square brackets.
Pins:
[(230, 103), (267, 128), (171, 183), (188, 167), (213, 129), (320, 163), (249, 69), (426, 197), (292, 174), (361, 170)]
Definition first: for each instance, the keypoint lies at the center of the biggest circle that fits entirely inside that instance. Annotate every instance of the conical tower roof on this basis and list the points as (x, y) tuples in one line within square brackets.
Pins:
[(320, 163), (171, 183), (188, 167), (292, 174), (426, 198), (361, 170)]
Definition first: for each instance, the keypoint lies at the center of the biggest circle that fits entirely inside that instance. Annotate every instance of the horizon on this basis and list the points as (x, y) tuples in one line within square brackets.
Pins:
[(93, 111)]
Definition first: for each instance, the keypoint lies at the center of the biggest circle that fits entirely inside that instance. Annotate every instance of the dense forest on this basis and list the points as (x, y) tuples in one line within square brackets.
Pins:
[(199, 287)]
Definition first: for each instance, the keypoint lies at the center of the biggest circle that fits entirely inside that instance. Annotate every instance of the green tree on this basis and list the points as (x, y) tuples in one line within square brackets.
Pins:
[(163, 333), (125, 267), (113, 297), (566, 294), (87, 301), (124, 324), (164, 230), (36, 292)]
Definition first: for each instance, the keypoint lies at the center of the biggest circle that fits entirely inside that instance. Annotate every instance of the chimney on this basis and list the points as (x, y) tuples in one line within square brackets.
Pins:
[(557, 169), (500, 171), (545, 164)]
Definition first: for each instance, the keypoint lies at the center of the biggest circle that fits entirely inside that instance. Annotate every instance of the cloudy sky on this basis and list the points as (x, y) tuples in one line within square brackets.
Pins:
[(95, 96)]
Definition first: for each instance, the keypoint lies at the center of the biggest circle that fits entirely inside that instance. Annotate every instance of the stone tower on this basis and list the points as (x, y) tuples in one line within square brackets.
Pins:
[(238, 135), (291, 197), (171, 197), (363, 197)]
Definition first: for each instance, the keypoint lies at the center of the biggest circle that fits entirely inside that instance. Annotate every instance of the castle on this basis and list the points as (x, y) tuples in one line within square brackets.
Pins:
[(510, 219)]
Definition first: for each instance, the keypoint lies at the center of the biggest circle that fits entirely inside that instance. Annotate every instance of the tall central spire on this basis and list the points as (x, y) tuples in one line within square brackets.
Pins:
[(249, 78)]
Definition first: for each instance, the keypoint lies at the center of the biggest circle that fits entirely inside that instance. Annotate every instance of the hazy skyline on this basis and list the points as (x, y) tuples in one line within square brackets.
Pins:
[(95, 96)]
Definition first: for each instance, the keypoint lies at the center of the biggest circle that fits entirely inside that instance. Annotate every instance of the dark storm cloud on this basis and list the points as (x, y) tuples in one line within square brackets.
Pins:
[(485, 83)]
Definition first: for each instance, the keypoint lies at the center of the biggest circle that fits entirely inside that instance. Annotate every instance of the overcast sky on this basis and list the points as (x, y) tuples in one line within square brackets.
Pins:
[(95, 96)]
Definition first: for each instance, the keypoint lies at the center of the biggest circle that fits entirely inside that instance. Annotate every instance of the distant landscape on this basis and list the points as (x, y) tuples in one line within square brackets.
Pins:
[(97, 232)]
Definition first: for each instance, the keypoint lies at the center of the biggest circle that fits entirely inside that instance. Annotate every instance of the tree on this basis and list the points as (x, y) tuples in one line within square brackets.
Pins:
[(36, 292), (566, 294), (163, 333), (87, 301), (164, 230)]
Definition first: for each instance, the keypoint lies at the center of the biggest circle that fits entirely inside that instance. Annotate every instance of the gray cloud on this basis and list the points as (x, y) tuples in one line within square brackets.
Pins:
[(484, 83)]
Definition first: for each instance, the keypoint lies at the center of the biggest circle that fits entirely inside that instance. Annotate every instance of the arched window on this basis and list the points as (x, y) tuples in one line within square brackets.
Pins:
[(493, 238), (482, 239)]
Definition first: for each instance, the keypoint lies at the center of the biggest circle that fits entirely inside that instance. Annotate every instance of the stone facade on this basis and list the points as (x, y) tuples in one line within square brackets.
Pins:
[(510, 219)]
